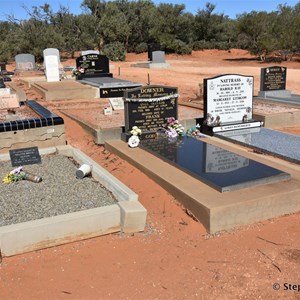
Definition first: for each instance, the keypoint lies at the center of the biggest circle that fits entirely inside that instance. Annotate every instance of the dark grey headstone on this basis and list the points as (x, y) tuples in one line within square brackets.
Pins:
[(273, 78), (93, 63), (2, 66), (152, 47), (2, 84), (25, 62), (149, 107), (158, 57)]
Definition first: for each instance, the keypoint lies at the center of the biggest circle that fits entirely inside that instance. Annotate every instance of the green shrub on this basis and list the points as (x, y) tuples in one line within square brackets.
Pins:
[(114, 51), (141, 48)]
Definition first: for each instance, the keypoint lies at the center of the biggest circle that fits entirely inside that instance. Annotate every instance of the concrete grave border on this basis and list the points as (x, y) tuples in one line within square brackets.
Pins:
[(128, 215)]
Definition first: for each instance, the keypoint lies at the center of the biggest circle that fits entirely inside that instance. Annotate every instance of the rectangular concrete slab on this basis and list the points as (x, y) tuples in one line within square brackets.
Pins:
[(219, 211)]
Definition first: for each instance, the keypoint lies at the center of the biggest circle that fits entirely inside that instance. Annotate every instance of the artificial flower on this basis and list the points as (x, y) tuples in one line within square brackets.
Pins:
[(133, 141)]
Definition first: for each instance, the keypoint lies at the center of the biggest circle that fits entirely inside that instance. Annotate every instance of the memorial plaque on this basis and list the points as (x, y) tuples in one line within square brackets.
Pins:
[(273, 78), (228, 98), (9, 101), (116, 103), (214, 166), (149, 107), (93, 63), (25, 156)]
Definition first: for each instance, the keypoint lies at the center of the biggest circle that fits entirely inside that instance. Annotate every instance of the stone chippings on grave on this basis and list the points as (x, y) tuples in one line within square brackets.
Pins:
[(228, 103), (148, 108), (51, 64), (273, 82), (25, 62)]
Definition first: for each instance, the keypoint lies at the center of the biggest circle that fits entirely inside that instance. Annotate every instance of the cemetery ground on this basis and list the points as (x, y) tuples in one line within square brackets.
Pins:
[(174, 258)]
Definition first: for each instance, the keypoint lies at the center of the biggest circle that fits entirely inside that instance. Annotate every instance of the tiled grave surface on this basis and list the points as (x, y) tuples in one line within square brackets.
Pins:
[(279, 144)]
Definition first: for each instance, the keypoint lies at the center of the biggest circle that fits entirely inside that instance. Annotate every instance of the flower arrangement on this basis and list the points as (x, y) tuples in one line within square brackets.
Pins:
[(173, 128), (134, 140), (194, 131), (14, 175), (78, 71), (18, 174)]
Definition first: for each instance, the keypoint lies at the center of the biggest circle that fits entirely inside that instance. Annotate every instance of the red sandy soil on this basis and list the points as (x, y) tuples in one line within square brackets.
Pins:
[(174, 258)]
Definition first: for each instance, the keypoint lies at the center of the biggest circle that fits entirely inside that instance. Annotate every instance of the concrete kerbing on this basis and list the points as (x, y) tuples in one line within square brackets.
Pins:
[(128, 215)]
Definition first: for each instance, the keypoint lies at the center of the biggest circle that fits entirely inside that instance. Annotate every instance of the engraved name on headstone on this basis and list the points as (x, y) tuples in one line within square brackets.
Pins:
[(149, 107), (228, 98)]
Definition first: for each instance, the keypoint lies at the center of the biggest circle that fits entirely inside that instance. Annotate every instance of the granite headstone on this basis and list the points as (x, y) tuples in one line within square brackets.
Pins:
[(228, 103), (25, 62), (148, 108)]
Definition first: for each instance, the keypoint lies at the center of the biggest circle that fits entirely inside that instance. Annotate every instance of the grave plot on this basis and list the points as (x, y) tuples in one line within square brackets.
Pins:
[(62, 208), (220, 187), (37, 126), (93, 69), (273, 86)]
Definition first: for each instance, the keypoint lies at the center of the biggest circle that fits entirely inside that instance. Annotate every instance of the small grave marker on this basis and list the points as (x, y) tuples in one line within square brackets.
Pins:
[(273, 78), (9, 101), (25, 156), (116, 103)]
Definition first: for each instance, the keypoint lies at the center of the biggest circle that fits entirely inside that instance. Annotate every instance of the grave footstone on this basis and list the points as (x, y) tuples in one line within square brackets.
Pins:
[(228, 103), (273, 82), (149, 108), (25, 62), (51, 64)]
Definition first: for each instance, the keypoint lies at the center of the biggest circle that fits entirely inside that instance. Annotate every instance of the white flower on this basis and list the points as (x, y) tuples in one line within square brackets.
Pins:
[(136, 131), (133, 141)]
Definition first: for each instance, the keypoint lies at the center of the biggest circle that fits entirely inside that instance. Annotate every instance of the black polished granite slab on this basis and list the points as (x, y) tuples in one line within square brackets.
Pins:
[(279, 144), (47, 118), (216, 167)]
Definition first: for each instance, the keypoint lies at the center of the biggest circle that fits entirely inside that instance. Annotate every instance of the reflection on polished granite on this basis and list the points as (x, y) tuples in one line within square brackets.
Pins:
[(216, 167), (279, 144)]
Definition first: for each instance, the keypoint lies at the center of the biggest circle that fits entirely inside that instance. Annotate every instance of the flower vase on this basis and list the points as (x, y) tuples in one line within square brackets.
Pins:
[(33, 178)]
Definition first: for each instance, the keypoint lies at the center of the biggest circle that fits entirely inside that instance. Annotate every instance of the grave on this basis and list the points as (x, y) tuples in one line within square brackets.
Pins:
[(213, 180), (228, 104), (25, 62), (51, 64), (41, 128), (111, 206), (93, 69), (264, 140), (158, 61), (273, 86), (148, 108)]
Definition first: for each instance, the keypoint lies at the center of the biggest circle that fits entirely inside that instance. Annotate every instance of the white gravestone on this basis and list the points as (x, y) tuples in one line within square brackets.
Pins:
[(51, 68), (229, 98)]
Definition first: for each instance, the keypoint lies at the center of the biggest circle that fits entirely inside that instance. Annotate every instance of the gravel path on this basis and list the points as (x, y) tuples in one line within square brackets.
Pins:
[(60, 192)]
